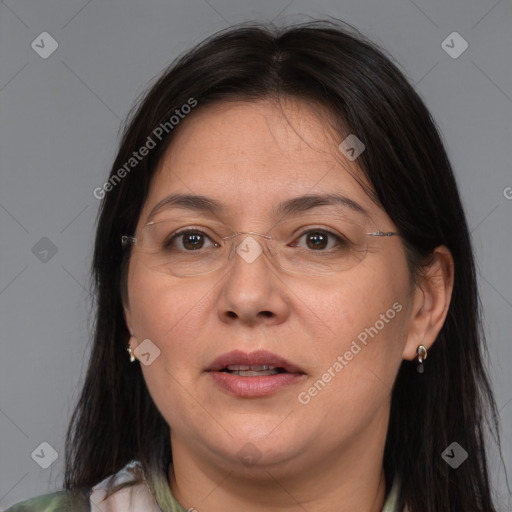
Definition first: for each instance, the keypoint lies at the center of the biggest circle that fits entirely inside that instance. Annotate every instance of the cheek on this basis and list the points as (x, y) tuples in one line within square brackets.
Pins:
[(167, 312), (355, 367), (359, 306), (366, 318)]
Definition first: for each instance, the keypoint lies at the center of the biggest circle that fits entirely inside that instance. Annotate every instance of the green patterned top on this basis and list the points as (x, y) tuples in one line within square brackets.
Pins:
[(151, 495)]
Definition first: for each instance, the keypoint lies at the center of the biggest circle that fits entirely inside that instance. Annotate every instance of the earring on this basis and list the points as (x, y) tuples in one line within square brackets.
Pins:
[(422, 355), (132, 357)]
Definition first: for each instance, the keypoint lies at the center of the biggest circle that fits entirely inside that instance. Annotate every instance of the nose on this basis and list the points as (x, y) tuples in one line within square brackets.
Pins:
[(252, 291)]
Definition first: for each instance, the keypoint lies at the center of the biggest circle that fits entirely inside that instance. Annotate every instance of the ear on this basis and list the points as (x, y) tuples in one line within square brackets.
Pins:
[(431, 300)]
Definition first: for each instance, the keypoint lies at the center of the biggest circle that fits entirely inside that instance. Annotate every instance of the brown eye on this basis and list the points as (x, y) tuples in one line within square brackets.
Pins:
[(193, 241), (319, 240), (188, 241), (316, 240)]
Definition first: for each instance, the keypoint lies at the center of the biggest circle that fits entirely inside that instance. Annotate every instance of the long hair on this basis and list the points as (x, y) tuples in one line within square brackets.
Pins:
[(406, 165)]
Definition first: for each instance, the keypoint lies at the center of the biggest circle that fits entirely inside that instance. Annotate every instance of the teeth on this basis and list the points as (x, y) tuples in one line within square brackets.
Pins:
[(253, 370), (253, 367), (251, 373)]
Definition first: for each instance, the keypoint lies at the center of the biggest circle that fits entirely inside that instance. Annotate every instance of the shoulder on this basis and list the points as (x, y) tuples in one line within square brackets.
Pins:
[(125, 490), (62, 501)]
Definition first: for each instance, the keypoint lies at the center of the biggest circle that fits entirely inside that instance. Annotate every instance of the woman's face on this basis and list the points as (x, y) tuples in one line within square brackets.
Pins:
[(344, 333)]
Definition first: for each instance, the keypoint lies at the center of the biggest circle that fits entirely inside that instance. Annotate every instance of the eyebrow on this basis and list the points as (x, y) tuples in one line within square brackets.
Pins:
[(193, 202), (207, 205), (310, 201)]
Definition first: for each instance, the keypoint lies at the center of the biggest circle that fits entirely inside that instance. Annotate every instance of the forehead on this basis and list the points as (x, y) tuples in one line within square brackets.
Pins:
[(250, 157)]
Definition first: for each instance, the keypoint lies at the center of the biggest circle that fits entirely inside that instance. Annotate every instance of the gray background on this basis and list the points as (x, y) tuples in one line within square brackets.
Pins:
[(60, 118)]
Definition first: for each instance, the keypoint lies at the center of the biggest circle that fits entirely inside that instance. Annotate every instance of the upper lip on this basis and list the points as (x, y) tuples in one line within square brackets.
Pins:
[(260, 357)]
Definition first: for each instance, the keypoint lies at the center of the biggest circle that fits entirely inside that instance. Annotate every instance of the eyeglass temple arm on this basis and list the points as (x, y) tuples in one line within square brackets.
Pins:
[(383, 233)]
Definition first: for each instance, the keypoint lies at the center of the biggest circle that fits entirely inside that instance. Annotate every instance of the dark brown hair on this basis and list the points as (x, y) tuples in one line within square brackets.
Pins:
[(405, 162)]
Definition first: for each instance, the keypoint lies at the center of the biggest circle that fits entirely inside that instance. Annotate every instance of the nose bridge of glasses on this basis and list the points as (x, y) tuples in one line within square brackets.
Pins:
[(251, 233), (249, 249)]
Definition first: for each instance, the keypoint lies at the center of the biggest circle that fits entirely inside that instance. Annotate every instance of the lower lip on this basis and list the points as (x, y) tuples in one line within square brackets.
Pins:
[(255, 386)]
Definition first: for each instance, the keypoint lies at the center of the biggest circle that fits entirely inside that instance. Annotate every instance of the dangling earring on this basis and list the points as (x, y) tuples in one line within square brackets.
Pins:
[(132, 357), (422, 355)]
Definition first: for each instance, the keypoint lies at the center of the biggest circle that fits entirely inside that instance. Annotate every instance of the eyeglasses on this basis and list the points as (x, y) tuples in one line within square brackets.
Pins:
[(195, 251)]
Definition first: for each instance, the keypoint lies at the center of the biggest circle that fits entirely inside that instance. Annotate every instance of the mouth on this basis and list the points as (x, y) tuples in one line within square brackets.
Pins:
[(255, 364), (254, 375)]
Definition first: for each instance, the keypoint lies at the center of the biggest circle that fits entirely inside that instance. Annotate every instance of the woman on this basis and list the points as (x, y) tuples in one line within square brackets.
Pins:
[(282, 250)]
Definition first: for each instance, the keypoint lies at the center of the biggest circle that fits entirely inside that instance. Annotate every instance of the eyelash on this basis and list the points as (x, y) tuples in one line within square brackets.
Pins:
[(168, 242)]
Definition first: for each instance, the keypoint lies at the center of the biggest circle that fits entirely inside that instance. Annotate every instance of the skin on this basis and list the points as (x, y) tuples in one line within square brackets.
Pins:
[(325, 455)]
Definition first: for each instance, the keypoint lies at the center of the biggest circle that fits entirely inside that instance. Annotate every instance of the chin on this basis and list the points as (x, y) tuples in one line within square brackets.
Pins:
[(253, 449)]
